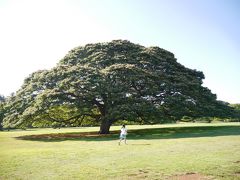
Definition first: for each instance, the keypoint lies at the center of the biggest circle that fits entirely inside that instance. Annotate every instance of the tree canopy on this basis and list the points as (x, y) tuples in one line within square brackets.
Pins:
[(107, 82)]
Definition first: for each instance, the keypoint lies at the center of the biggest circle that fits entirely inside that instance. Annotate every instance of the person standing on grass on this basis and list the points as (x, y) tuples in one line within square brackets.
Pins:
[(123, 135)]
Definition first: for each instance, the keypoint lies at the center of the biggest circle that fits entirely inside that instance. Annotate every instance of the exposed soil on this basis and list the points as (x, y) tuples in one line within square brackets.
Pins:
[(189, 176), (237, 173)]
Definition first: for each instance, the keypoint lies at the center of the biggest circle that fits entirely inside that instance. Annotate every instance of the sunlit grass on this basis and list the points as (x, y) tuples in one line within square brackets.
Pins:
[(153, 152)]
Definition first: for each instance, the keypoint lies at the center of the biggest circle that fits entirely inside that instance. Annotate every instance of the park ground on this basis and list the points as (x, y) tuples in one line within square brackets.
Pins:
[(176, 151)]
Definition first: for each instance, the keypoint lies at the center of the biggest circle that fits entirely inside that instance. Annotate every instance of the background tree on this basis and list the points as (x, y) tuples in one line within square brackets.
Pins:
[(2, 98), (107, 82), (237, 111), (2, 112)]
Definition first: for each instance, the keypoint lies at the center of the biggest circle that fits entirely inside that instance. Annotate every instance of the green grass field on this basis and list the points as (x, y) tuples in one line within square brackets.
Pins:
[(178, 151)]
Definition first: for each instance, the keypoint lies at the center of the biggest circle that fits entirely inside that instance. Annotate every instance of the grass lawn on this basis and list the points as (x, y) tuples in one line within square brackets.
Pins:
[(177, 151)]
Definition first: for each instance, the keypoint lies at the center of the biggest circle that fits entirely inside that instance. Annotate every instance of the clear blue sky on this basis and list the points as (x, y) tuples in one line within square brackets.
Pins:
[(203, 35)]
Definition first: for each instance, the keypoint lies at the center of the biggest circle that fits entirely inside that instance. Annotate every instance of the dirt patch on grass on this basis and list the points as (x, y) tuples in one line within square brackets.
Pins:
[(237, 174), (189, 176), (144, 174), (141, 174)]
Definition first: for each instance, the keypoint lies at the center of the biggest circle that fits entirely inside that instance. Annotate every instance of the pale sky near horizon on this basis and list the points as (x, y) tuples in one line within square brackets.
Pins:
[(203, 35)]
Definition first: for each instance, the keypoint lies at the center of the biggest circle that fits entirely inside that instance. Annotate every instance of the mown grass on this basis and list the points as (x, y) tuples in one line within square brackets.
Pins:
[(153, 152)]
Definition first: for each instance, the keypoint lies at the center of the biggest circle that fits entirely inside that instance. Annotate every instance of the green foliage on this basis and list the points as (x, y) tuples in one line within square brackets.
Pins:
[(2, 111), (236, 106), (107, 82), (237, 110), (236, 114), (1, 115)]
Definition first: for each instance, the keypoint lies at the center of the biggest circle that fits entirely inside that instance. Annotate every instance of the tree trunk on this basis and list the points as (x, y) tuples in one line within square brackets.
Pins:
[(105, 126)]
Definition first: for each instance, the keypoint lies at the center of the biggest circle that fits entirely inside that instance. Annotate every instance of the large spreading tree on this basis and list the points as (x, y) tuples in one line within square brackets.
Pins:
[(108, 82)]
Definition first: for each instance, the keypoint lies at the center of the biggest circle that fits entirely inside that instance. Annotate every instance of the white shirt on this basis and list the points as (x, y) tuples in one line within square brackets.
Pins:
[(123, 131)]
